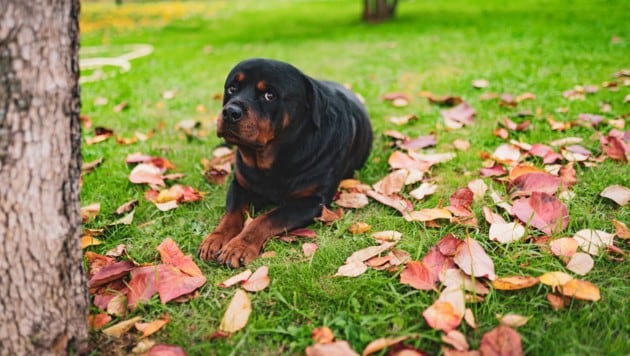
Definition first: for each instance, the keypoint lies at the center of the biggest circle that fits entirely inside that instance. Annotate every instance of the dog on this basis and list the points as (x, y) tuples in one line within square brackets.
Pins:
[(296, 138)]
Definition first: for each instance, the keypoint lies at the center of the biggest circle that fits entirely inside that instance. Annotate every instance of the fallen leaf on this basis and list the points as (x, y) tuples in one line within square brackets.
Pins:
[(236, 279), (258, 281), (117, 306), (142, 285), (446, 100), (352, 200), (117, 330), (512, 320), (555, 279), (392, 183), (110, 273), (455, 278), (564, 247), (480, 83), (90, 212), (479, 188), (617, 193), (495, 170), (506, 232), (555, 301), (128, 206), (580, 263), (382, 343), (501, 340), (87, 241), (401, 120), (449, 245), (387, 236), (460, 115), (425, 215), (441, 315), (615, 148), (456, 339), (237, 313), (417, 275), (143, 346), (514, 282), (166, 350), (351, 269), (337, 348), (492, 217), (545, 152), (507, 153), (88, 167), (171, 254), (146, 173), (542, 211), (579, 289), (359, 228), (473, 260), (150, 328), (621, 230), (419, 143), (461, 145), (98, 321), (322, 335), (394, 201), (535, 182), (125, 220), (328, 216), (591, 240), (469, 318), (173, 283), (423, 190), (309, 249)]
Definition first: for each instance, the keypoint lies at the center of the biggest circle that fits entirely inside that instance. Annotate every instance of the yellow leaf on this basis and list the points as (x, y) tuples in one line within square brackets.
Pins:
[(579, 289), (555, 279), (121, 328), (88, 240), (514, 282)]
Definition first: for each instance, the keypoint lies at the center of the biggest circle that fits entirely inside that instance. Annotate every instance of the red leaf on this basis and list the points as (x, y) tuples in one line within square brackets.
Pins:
[(449, 245), (542, 211), (98, 321), (395, 201), (462, 114), (96, 262), (614, 148), (419, 142), (171, 254), (418, 275), (142, 286), (172, 283), (110, 273), (545, 152), (496, 170), (536, 182), (501, 340), (166, 350), (462, 198)]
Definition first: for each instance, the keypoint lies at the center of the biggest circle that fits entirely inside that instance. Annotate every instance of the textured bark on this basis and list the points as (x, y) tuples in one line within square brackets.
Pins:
[(378, 10), (43, 298)]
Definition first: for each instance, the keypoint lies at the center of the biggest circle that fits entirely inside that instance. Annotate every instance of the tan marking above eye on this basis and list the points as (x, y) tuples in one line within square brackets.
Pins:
[(261, 85), (239, 76)]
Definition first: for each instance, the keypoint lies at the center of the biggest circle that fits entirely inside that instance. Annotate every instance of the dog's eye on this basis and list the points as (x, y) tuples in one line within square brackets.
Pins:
[(231, 89), (269, 96)]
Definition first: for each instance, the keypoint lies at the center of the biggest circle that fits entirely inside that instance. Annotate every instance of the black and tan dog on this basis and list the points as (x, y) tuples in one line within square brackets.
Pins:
[(297, 138)]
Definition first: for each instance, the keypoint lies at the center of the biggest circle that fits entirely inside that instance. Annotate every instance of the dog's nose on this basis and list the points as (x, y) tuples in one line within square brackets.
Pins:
[(232, 113)]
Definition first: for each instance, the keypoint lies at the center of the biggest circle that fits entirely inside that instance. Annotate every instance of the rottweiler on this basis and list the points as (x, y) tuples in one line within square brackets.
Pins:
[(296, 138)]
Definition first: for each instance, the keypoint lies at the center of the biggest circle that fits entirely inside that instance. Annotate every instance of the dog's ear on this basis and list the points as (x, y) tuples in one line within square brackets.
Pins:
[(317, 100)]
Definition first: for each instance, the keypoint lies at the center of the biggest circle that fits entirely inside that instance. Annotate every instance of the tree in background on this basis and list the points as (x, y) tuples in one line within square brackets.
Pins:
[(378, 10), (43, 297)]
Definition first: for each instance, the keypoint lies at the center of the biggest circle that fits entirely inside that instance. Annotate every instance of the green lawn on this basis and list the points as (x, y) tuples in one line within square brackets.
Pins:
[(543, 47)]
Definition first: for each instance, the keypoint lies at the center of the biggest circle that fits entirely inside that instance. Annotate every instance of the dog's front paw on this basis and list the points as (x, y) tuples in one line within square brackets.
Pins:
[(212, 244), (239, 252)]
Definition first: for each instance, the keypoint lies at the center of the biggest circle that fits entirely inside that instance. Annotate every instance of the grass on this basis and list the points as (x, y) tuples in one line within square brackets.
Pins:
[(543, 47)]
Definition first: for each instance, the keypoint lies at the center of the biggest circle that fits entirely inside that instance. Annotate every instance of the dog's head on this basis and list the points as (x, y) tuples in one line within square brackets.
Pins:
[(266, 101)]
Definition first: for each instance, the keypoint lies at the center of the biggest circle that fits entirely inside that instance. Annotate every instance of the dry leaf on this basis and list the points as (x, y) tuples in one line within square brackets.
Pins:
[(469, 318), (387, 236), (557, 302), (564, 247), (456, 339), (258, 281), (382, 343), (369, 252), (117, 306), (89, 212), (148, 329), (617, 193), (423, 190), (555, 279), (98, 321), (352, 200), (309, 249), (473, 260), (591, 240), (514, 282), (237, 313), (580, 263), (417, 275), (579, 289), (621, 230), (88, 240), (462, 145), (166, 350), (441, 315), (236, 279), (542, 211), (425, 215), (128, 206), (146, 173), (322, 335), (351, 269), (506, 232), (171, 254), (117, 330), (513, 320), (337, 348), (501, 340), (392, 183), (359, 228)]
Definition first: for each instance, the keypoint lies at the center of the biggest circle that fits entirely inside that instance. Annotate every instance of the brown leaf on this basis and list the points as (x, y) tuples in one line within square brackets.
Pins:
[(542, 211), (88, 167), (90, 212), (337, 348), (328, 216), (557, 302), (615, 148), (394, 201), (258, 281), (401, 120), (352, 200), (501, 340), (237, 313)]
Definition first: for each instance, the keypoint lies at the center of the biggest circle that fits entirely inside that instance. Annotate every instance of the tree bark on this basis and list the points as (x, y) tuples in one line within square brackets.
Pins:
[(43, 296), (378, 10)]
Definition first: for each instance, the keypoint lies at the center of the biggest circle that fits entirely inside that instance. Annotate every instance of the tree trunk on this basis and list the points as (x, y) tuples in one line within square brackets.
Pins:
[(378, 10), (43, 297)]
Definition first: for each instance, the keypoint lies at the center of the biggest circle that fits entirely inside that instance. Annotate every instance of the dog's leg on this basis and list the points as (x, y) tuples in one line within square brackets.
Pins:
[(245, 247), (231, 223)]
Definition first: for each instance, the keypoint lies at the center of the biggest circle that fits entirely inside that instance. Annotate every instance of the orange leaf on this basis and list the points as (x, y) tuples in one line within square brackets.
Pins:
[(172, 283), (392, 183), (418, 275), (382, 343), (239, 278), (150, 328), (501, 340), (359, 228), (442, 316), (322, 335), (579, 289), (97, 321), (564, 247), (514, 282)]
